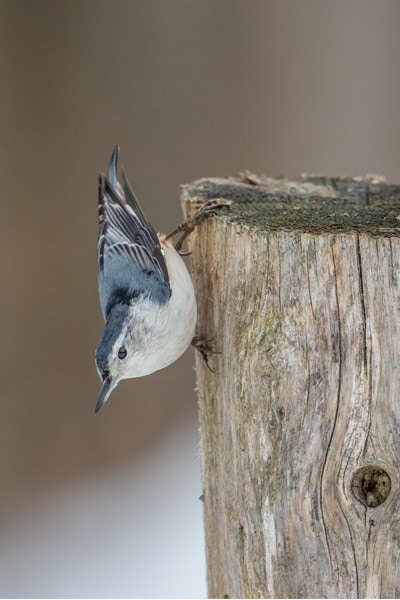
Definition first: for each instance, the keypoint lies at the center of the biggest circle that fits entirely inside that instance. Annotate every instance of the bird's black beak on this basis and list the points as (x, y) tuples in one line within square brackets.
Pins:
[(108, 385)]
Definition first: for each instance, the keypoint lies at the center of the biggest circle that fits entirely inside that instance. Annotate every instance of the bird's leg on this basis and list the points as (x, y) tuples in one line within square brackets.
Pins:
[(209, 208), (203, 346)]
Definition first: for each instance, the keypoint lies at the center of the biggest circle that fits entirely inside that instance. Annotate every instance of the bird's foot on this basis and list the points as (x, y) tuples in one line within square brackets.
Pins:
[(206, 210), (205, 349)]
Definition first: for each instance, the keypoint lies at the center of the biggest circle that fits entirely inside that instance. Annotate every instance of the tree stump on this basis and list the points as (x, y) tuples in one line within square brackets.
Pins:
[(298, 287)]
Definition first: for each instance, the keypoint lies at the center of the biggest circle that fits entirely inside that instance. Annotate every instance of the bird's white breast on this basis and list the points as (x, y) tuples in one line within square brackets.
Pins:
[(166, 329)]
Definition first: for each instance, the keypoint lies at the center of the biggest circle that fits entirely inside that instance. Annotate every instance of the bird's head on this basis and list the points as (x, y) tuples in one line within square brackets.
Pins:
[(115, 355), (132, 344)]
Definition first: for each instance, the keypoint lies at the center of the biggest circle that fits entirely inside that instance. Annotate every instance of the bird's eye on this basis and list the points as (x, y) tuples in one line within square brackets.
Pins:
[(122, 353)]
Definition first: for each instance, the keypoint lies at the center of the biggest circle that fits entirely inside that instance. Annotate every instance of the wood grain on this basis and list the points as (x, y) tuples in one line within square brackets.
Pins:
[(298, 286)]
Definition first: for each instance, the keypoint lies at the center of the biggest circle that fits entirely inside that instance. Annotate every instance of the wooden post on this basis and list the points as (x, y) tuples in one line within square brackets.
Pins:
[(298, 286)]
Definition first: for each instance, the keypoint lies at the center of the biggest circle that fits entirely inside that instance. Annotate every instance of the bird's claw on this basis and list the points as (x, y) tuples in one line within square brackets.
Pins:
[(205, 349), (211, 207)]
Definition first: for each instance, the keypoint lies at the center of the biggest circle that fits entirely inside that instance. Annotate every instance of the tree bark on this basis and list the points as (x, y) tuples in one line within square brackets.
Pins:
[(298, 287)]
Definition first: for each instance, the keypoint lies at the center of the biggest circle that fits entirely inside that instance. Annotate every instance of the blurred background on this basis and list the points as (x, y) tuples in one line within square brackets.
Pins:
[(107, 505)]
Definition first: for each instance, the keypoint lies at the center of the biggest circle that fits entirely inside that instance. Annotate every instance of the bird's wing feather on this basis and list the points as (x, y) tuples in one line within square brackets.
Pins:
[(129, 255)]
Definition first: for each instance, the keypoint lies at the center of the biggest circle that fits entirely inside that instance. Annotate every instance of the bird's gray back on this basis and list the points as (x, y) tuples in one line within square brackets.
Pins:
[(130, 260)]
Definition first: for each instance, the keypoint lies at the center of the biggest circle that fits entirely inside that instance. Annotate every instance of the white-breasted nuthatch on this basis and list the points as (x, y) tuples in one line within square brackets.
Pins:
[(146, 293)]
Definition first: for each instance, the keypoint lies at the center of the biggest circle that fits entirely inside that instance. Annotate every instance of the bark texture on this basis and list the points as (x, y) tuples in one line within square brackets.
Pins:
[(298, 287)]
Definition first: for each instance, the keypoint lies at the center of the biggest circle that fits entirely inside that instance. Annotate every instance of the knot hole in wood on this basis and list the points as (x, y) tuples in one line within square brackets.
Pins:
[(371, 485)]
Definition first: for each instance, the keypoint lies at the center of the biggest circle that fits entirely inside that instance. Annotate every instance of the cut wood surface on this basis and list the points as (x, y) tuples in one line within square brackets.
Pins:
[(298, 287)]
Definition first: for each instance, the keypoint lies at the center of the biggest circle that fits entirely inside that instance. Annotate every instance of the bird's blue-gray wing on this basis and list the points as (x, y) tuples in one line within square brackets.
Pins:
[(129, 256)]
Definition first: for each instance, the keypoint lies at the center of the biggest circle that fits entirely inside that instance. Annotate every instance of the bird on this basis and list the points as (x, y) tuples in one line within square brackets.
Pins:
[(146, 294)]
